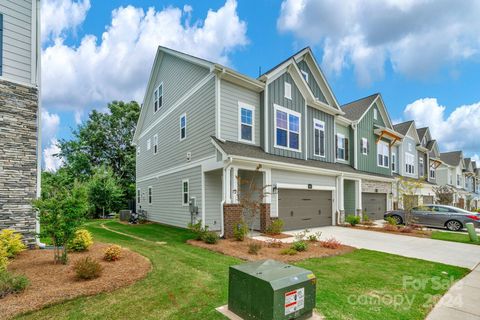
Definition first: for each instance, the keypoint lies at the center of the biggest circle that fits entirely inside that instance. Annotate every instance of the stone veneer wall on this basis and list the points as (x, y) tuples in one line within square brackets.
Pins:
[(18, 157), (376, 186), (232, 214)]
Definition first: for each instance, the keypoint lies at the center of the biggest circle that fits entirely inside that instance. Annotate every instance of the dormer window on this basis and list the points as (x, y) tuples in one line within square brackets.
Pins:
[(288, 90), (158, 98), (305, 75), (375, 113)]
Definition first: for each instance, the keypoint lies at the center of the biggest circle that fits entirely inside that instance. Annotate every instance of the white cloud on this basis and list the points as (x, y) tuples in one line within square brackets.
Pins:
[(78, 117), (51, 161), (415, 37), (456, 131), (60, 16), (117, 66), (50, 124)]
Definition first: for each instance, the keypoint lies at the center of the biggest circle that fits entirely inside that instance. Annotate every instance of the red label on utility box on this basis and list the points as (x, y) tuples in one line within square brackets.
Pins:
[(294, 300)]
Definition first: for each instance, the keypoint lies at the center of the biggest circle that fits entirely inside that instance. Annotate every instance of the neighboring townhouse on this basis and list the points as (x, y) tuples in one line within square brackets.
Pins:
[(469, 176), (202, 125), (450, 173), (19, 115), (476, 185)]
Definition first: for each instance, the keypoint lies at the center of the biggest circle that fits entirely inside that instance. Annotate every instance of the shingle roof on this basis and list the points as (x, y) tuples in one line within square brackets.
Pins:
[(430, 144), (250, 151), (421, 132), (403, 127), (279, 64), (467, 162), (355, 109), (452, 158)]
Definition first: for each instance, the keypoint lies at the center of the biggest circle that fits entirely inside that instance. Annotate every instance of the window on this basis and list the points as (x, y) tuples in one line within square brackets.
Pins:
[(155, 144), (138, 150), (305, 75), (185, 193), (319, 137), (149, 142), (183, 126), (246, 117), (287, 128), (409, 163), (158, 98), (342, 147), (394, 162), (421, 168), (288, 90), (139, 194), (458, 180), (149, 195), (409, 147), (432, 173), (364, 146), (383, 154), (375, 113)]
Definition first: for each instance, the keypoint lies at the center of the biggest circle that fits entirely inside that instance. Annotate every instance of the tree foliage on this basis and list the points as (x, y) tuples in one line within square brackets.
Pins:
[(444, 194), (408, 190), (104, 192)]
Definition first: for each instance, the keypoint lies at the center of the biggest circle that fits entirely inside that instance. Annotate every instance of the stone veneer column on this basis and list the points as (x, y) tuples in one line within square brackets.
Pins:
[(18, 158), (232, 214), (265, 219)]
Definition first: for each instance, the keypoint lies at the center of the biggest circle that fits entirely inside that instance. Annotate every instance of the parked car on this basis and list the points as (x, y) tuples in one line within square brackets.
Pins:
[(433, 215)]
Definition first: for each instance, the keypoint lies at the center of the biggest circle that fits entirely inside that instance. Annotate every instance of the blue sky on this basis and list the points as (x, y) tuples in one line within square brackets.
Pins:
[(431, 65)]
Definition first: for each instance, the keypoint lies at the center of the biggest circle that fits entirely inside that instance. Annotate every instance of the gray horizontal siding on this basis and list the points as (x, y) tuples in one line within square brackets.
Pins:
[(312, 83), (231, 95), (329, 134), (166, 204), (213, 199), (178, 76), (17, 40), (200, 112), (406, 140)]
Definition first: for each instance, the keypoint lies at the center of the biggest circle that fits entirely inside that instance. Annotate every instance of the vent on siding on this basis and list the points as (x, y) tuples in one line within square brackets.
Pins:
[(189, 156)]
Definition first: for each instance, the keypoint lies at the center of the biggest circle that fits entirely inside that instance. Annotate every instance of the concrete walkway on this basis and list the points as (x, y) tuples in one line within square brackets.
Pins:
[(452, 253)]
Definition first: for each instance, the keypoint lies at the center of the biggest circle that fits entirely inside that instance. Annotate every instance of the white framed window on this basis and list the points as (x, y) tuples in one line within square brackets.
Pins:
[(394, 162), (139, 196), (319, 138), (458, 180), (421, 167), (383, 154), (246, 122), (158, 98), (342, 147), (149, 144), (410, 147), (287, 128), (150, 195), (305, 75), (185, 192), (409, 163), (364, 146), (183, 126), (155, 144), (138, 151), (375, 113), (288, 90)]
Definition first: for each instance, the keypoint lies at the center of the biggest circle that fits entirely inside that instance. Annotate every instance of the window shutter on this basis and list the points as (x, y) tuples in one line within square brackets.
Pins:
[(346, 149), (1, 44), (336, 146)]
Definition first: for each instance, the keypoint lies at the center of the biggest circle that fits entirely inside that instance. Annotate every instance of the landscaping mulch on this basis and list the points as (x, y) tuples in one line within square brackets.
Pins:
[(276, 236), (239, 249), (52, 283), (414, 233)]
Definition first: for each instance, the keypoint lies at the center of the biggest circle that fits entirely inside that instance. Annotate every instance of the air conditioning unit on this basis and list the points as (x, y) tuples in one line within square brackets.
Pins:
[(189, 156)]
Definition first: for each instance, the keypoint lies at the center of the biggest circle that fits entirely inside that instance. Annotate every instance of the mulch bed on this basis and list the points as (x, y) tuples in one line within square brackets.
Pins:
[(276, 236), (239, 249), (414, 233), (51, 283)]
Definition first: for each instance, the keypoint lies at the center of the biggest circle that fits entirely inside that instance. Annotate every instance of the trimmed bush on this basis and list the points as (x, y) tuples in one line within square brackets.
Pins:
[(274, 243), (240, 231), (352, 220), (112, 253), (198, 230), (3, 258), (289, 252), (299, 246), (276, 227), (87, 269), (211, 237), (254, 247), (331, 243), (10, 283), (11, 242), (391, 221), (82, 240)]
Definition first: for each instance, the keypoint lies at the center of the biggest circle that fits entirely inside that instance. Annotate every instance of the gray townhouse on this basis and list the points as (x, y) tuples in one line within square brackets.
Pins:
[(19, 114), (452, 172), (203, 124)]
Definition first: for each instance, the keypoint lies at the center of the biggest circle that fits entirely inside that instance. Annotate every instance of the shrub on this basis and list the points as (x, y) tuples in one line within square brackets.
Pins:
[(314, 237), (10, 283), (331, 243), (11, 242), (406, 229), (390, 227), (274, 243), (289, 252), (276, 227), (240, 231), (112, 253), (391, 221), (210, 237), (198, 230), (3, 258), (254, 247), (352, 220), (299, 246), (87, 268), (81, 241)]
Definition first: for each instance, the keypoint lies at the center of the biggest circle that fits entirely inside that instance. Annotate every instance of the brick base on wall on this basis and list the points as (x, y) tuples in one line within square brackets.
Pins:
[(265, 219), (232, 215)]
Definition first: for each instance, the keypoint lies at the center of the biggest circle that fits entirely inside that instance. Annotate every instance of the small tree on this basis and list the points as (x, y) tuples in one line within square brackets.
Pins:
[(407, 190), (62, 212), (251, 197), (444, 194), (104, 191)]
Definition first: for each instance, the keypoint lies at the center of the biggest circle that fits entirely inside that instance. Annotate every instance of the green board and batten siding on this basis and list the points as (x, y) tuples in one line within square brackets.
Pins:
[(312, 83), (365, 129), (346, 131), (329, 134), (349, 197)]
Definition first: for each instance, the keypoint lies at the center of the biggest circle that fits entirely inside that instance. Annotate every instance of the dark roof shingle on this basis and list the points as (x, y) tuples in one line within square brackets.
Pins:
[(403, 127), (421, 132), (355, 109), (452, 158)]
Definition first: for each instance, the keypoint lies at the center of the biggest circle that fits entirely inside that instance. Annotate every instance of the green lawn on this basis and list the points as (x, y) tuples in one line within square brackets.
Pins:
[(452, 236), (188, 282)]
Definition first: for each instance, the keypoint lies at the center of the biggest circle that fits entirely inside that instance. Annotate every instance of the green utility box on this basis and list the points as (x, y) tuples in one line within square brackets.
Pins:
[(271, 290)]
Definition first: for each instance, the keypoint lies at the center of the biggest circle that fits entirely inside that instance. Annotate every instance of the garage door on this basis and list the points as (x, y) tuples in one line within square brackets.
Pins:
[(374, 204), (427, 199), (301, 209)]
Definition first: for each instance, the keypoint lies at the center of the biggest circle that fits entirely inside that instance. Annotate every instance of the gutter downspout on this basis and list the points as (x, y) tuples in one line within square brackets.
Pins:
[(222, 224)]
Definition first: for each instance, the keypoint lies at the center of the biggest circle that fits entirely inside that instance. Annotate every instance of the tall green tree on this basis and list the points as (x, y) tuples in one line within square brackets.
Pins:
[(104, 192), (105, 139)]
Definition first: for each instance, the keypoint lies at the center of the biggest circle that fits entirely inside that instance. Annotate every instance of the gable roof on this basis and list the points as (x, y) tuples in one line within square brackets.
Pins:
[(354, 110), (421, 132), (468, 164), (431, 144), (403, 127), (452, 158)]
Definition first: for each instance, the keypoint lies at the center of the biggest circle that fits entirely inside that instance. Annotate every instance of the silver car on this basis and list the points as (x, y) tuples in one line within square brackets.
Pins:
[(441, 216)]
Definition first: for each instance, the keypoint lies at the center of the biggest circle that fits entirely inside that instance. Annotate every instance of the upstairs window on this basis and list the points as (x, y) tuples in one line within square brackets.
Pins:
[(458, 180), (288, 90), (185, 192), (409, 163), (305, 75), (342, 147), (149, 144), (183, 126), (319, 137), (375, 113), (432, 173), (383, 154), (155, 144), (287, 129), (421, 168), (394, 162), (246, 117), (364, 146), (158, 98)]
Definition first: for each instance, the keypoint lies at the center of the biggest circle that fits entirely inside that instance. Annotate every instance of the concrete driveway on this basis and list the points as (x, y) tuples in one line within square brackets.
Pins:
[(453, 253)]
